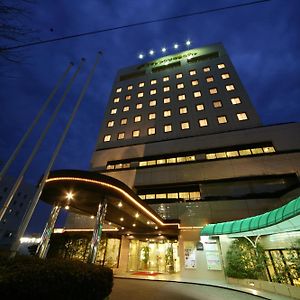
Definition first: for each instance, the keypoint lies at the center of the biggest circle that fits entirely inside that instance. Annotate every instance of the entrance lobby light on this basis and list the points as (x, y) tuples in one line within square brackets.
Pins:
[(121, 219), (133, 224), (70, 196), (137, 215), (92, 217), (120, 204), (156, 227), (67, 207)]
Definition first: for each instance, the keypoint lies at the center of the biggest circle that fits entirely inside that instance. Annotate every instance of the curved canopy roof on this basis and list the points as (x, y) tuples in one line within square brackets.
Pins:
[(124, 208), (266, 220)]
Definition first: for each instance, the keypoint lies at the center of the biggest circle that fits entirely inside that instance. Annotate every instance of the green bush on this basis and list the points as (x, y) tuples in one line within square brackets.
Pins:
[(243, 261), (30, 277)]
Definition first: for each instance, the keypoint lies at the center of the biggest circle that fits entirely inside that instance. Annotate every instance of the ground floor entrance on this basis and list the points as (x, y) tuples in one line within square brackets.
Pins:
[(154, 256)]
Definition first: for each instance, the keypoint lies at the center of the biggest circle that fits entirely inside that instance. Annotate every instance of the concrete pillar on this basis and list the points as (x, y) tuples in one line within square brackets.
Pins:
[(43, 246), (97, 231)]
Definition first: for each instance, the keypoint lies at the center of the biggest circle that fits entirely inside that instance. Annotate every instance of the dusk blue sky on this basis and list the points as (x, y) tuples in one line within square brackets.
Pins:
[(262, 41)]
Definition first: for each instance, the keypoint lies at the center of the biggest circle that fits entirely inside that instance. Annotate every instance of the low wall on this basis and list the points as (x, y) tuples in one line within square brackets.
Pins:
[(272, 287)]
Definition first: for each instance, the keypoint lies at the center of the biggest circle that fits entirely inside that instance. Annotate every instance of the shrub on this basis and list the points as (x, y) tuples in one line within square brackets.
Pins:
[(25, 277), (243, 261)]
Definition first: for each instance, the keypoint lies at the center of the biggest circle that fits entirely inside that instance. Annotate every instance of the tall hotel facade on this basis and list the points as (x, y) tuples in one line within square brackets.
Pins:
[(182, 133)]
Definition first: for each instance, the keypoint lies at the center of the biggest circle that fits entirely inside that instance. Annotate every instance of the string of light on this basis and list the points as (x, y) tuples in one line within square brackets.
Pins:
[(164, 50)]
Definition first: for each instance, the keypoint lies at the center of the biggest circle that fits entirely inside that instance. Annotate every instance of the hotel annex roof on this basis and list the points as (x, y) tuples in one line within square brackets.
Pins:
[(285, 218)]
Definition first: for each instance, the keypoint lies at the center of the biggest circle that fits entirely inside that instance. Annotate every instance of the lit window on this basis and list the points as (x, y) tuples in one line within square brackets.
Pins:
[(124, 121), (181, 159), (152, 103), (153, 81), (222, 119), (151, 162), (161, 161), (269, 149), (142, 164), (110, 123), (167, 100), (200, 107), (217, 104), (121, 136), (151, 130), (172, 195), (128, 97), (130, 87), (197, 94), (211, 156), (185, 125), (139, 106), (183, 110), (221, 66), (235, 101), (166, 89), (232, 153), (179, 75), (118, 90), (126, 108), (245, 152), (242, 116), (209, 79), (190, 158), (107, 138), (116, 100), (167, 113), (166, 78), (193, 72), (171, 160), (257, 151), (225, 76), (213, 91), (206, 69), (113, 111), (168, 128), (203, 122), (137, 119), (141, 84), (152, 116), (195, 82), (152, 92), (221, 155), (230, 87), (181, 97), (140, 95), (110, 167), (180, 86), (136, 133)]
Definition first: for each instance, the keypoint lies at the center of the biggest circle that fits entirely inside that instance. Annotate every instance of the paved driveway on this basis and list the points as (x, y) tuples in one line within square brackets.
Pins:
[(133, 289)]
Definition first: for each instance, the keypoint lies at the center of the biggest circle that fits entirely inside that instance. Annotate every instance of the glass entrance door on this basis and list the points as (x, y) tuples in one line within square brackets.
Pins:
[(153, 256)]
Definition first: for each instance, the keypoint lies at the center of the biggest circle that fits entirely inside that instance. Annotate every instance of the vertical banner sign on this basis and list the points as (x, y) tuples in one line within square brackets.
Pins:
[(213, 258), (189, 255)]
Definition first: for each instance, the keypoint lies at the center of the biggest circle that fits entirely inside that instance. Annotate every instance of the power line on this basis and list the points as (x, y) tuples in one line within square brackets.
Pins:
[(67, 37)]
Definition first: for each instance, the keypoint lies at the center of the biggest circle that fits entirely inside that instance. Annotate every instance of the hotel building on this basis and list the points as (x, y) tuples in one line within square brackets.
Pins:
[(182, 133)]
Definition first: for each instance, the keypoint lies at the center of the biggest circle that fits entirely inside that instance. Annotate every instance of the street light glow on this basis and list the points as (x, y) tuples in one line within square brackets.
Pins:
[(188, 42), (151, 52), (141, 56), (176, 46), (163, 50)]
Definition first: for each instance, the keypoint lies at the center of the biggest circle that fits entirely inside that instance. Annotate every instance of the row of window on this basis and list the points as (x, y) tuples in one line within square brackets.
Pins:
[(181, 97), (185, 196), (178, 76), (167, 113), (244, 152), (168, 127), (191, 158), (212, 91)]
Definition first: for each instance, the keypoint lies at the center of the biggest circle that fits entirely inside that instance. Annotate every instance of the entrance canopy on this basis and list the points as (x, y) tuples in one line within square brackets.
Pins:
[(81, 192), (285, 218)]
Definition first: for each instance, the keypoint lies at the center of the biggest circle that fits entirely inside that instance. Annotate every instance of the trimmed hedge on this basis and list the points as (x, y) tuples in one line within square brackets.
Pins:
[(31, 277)]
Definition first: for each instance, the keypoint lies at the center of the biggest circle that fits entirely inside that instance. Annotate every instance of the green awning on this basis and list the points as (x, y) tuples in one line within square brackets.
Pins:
[(268, 219)]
